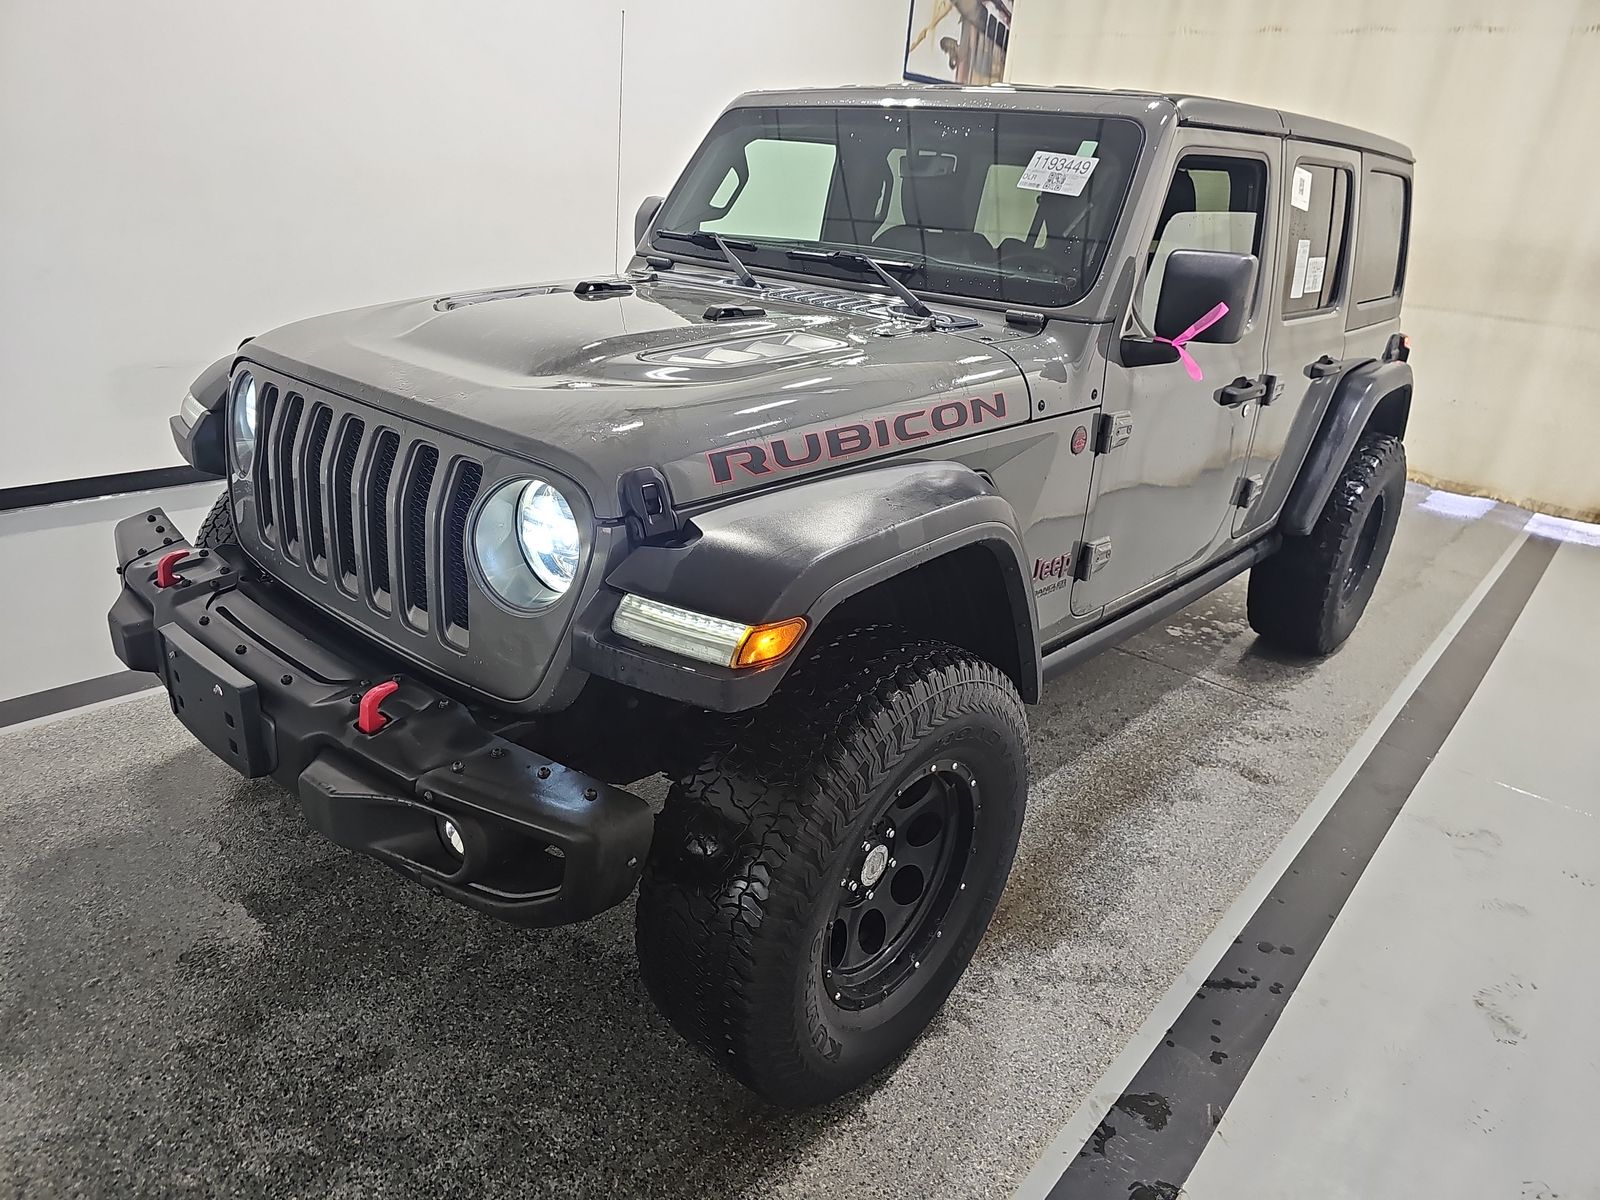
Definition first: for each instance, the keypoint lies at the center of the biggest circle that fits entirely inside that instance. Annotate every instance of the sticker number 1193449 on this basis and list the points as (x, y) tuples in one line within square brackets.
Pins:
[(1064, 174)]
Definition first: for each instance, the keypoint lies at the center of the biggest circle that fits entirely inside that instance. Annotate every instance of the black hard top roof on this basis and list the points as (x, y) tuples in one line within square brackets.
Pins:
[(1203, 111)]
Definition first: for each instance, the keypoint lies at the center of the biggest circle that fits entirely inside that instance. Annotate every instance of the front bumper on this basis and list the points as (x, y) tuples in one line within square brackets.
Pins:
[(273, 689)]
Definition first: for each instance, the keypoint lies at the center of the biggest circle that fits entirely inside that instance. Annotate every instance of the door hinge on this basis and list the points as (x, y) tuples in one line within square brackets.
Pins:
[(1092, 557), (1112, 430), (1274, 389), (1246, 491)]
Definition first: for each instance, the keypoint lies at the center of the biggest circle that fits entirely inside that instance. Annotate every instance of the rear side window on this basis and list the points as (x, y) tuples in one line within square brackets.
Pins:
[(1319, 220), (1381, 236)]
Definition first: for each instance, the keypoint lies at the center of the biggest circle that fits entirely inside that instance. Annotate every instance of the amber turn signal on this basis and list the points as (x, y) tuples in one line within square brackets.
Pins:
[(768, 643)]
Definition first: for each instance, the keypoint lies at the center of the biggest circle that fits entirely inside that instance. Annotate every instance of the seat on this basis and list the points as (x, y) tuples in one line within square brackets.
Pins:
[(935, 221)]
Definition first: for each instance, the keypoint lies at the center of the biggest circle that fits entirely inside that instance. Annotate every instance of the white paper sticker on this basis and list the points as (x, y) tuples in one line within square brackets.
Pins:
[(1300, 197), (1314, 269), (1065, 174), (1302, 263)]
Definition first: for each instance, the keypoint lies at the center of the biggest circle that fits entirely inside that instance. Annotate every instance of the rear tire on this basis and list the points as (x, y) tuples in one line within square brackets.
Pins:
[(218, 528), (899, 768), (1308, 596)]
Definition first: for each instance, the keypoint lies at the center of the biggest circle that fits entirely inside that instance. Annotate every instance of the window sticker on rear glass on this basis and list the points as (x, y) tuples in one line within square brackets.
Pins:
[(1064, 174), (1302, 264), (1315, 269), (1300, 197)]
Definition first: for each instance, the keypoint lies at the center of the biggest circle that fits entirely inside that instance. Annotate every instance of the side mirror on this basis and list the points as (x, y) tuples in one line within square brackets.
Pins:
[(1195, 282), (647, 213)]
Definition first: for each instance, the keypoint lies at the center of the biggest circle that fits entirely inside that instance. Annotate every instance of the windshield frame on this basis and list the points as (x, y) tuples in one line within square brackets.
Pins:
[(1086, 105)]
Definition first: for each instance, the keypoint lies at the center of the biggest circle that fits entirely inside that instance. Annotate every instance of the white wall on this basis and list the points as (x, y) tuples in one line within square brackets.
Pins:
[(1498, 100), (178, 174)]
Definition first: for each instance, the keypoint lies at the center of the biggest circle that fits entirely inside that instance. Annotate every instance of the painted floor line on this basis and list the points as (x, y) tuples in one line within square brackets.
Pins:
[(1064, 1147)]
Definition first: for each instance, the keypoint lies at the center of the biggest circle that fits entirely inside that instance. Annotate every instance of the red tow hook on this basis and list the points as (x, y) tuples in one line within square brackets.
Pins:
[(368, 719), (166, 576)]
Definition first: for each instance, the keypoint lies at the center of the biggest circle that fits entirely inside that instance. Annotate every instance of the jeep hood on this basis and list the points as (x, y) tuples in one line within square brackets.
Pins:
[(593, 386)]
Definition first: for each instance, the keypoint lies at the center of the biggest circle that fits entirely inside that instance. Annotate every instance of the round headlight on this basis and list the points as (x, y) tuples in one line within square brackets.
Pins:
[(527, 543), (549, 534), (244, 422)]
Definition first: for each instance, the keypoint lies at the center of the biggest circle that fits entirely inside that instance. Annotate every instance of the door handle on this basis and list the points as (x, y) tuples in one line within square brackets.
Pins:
[(1324, 366), (1241, 391)]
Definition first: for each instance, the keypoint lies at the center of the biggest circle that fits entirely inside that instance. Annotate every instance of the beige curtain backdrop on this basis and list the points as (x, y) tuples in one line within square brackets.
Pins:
[(1501, 103)]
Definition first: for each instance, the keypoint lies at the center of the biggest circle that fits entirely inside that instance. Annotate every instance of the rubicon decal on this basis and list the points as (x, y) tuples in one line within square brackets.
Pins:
[(788, 451)]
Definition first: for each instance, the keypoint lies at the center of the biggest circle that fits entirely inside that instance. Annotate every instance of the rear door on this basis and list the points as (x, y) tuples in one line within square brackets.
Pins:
[(1309, 301), (1163, 495)]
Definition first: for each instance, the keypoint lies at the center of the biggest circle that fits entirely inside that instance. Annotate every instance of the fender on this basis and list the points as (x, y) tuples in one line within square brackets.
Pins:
[(801, 551), (1361, 390), (204, 444)]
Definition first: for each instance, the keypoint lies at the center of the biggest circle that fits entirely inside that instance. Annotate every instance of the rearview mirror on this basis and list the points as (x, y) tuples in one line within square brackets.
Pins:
[(1195, 282), (647, 213)]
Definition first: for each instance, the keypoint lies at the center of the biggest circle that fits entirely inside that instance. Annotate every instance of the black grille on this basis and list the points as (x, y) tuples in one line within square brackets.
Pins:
[(469, 479), (345, 511), (316, 443), (378, 511), (414, 504), (381, 515), (281, 445)]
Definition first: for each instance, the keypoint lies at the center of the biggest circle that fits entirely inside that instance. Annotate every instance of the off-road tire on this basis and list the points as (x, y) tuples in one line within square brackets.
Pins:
[(218, 528), (1308, 596), (737, 900)]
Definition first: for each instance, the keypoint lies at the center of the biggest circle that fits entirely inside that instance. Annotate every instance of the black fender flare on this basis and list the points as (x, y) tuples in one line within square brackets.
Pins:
[(204, 444), (1360, 392), (803, 550)]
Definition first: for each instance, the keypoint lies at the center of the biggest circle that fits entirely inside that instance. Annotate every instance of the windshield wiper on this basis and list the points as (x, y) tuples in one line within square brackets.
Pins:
[(878, 266), (714, 241)]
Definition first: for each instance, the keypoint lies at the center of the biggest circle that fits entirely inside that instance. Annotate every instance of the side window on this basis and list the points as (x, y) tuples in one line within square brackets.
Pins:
[(1216, 202), (1319, 219), (784, 194), (1381, 236)]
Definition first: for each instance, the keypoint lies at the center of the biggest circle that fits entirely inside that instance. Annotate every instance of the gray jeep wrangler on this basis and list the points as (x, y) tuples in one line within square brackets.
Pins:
[(909, 398)]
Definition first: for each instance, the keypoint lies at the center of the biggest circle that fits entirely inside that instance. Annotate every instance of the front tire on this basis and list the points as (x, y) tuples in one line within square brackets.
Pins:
[(1308, 596), (898, 768), (218, 528)]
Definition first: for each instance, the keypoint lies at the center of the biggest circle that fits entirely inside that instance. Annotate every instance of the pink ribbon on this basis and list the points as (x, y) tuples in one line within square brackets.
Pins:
[(1189, 334)]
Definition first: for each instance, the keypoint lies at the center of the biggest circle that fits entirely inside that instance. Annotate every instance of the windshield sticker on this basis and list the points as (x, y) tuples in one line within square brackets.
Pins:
[(1314, 271), (1302, 264), (1301, 196), (1064, 174)]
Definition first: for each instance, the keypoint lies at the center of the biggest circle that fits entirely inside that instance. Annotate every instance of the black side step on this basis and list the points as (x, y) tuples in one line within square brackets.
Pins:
[(1158, 608)]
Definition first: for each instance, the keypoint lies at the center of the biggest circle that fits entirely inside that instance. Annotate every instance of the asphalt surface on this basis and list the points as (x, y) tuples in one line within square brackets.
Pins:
[(198, 996)]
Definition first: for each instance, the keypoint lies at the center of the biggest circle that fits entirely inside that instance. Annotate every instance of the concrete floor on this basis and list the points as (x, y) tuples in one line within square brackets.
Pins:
[(198, 996)]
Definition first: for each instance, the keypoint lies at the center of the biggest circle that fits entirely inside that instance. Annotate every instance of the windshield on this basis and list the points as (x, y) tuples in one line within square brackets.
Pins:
[(1017, 207)]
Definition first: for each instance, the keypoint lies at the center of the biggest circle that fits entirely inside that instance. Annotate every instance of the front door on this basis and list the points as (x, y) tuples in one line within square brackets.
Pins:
[(1164, 497)]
